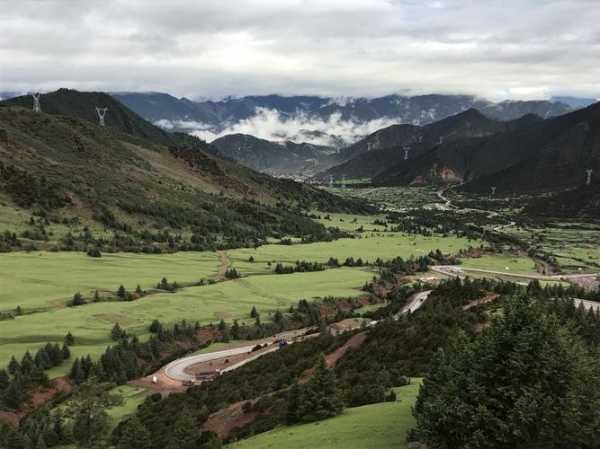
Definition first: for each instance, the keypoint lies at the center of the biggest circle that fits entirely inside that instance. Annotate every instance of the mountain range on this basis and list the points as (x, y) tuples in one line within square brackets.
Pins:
[(532, 155), (317, 120), (400, 144)]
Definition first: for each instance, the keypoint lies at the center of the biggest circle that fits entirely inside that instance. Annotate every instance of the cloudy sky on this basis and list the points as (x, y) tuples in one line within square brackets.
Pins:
[(203, 48)]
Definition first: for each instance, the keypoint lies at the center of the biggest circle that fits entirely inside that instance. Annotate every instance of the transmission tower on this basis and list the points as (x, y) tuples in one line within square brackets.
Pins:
[(588, 173), (101, 113), (406, 150), (493, 190), (330, 180), (36, 102), (344, 182)]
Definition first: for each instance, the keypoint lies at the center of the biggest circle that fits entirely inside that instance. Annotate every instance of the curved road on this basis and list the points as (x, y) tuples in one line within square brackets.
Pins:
[(176, 369)]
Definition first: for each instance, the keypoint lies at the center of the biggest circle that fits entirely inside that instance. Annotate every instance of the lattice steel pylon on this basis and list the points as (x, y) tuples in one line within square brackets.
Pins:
[(36, 102), (101, 113)]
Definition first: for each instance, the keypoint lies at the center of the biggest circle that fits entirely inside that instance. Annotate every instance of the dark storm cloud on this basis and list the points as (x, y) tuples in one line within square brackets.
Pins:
[(498, 49)]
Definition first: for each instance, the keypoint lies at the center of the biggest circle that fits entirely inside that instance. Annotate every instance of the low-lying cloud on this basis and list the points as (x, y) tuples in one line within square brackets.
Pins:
[(271, 125)]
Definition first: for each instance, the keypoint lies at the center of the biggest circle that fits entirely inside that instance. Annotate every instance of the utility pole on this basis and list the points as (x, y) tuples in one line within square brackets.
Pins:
[(588, 173), (101, 113), (36, 102)]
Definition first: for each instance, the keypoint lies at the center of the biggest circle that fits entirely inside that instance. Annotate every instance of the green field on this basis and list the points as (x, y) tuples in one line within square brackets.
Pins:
[(49, 280), (392, 197), (377, 426), (132, 398), (91, 323), (507, 263), (576, 246), (369, 246), (43, 282)]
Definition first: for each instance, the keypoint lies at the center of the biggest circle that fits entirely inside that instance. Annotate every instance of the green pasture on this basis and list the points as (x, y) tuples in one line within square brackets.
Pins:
[(91, 323), (392, 197), (376, 426), (500, 262), (49, 279), (132, 398), (385, 245)]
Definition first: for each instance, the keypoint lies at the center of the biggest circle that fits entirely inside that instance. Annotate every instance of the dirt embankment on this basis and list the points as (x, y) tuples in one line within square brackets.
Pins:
[(38, 397), (224, 258)]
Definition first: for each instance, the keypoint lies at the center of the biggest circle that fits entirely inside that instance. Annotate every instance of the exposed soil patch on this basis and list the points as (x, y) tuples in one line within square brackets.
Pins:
[(478, 302), (224, 258), (229, 418), (38, 397)]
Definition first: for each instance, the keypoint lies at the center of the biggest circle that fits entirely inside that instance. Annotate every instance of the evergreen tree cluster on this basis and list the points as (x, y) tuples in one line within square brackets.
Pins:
[(527, 382), (130, 358), (300, 267), (164, 284), (315, 400), (38, 431), (232, 273), (28, 190), (22, 376)]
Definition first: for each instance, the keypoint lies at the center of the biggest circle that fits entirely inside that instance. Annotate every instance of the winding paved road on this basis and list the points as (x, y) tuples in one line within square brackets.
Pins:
[(414, 303)]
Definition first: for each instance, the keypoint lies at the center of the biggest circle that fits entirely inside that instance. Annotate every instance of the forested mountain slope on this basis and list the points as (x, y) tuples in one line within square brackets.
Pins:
[(130, 176), (399, 144), (278, 158), (539, 156)]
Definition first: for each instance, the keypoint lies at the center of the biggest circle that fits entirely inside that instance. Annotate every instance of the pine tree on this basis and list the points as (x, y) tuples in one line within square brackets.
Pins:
[(91, 423), (4, 379), (69, 339), (77, 374), (14, 395), (235, 330), (186, 432), (13, 366), (253, 312), (117, 333), (134, 435), (66, 352), (293, 404), (121, 292), (319, 398), (77, 300)]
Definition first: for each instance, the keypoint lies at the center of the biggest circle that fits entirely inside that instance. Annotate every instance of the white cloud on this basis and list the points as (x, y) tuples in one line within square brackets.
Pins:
[(498, 49), (269, 124)]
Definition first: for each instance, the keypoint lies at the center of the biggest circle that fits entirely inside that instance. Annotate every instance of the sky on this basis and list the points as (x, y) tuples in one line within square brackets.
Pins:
[(505, 49)]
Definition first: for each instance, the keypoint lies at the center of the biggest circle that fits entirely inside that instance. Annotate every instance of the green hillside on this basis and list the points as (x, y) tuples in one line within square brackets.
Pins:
[(132, 186), (377, 426)]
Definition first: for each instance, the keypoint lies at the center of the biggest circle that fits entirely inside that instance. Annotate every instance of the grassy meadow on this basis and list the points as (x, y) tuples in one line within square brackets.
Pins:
[(49, 279), (376, 426), (508, 263), (91, 323), (42, 283)]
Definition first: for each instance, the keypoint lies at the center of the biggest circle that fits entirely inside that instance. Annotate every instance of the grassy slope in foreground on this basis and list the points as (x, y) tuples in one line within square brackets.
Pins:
[(376, 426)]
